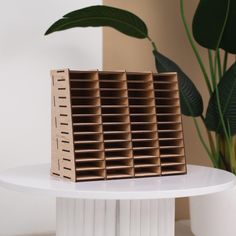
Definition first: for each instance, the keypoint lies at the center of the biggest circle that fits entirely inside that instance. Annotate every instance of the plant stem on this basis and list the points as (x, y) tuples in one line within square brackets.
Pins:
[(153, 43), (214, 151), (212, 69), (219, 64), (214, 81), (210, 62), (194, 47), (203, 142), (225, 62)]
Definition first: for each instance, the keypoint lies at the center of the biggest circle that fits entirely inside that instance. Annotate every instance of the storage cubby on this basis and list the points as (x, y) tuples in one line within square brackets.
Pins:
[(111, 125)]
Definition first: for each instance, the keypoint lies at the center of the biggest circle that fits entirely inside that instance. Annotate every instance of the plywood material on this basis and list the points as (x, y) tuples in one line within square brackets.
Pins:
[(109, 125)]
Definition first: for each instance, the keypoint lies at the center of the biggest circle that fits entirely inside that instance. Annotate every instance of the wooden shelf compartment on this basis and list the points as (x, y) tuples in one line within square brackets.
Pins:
[(86, 110), (119, 163), (173, 170), (146, 143), (79, 146), (171, 142), (84, 85), (117, 145), (116, 128), (87, 119), (86, 156), (90, 175), (170, 126), (116, 119), (167, 102), (90, 165), (115, 110), (114, 101), (89, 102), (172, 161), (146, 85), (166, 86), (84, 93), (169, 118), (143, 77), (165, 77), (148, 152), (118, 153), (168, 110), (144, 118), (145, 162), (113, 93), (108, 137), (120, 173), (142, 110), (170, 134), (167, 94), (140, 94), (112, 84), (171, 151), (88, 128), (149, 126), (147, 171)]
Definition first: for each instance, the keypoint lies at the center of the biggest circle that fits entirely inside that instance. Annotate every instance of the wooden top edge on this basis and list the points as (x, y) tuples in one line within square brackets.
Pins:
[(166, 73), (112, 72)]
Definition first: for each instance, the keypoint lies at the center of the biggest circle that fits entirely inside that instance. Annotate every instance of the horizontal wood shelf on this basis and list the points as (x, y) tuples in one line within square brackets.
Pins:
[(113, 125)]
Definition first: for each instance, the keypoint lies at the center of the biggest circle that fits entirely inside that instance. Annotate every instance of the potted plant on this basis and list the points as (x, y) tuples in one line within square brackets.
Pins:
[(212, 28)]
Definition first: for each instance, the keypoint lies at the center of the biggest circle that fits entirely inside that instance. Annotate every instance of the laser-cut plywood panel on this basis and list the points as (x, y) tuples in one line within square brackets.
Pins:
[(110, 125)]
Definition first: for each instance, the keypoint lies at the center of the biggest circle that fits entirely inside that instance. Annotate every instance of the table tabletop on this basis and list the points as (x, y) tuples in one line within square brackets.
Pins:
[(199, 180)]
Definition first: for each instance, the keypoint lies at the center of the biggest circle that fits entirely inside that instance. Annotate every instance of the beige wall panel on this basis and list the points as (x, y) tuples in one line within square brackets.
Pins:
[(165, 27)]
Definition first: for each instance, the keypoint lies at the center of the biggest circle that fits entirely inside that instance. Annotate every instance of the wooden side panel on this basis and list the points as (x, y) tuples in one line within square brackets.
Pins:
[(63, 163)]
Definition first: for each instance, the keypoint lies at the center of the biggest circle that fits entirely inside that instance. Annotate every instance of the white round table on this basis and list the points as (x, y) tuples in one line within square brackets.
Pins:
[(128, 207)]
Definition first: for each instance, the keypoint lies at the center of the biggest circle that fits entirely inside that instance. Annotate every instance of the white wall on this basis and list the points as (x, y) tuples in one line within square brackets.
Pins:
[(26, 57)]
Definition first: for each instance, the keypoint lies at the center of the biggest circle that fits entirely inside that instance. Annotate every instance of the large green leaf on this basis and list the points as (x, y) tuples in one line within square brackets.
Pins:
[(227, 95), (190, 99), (208, 22), (121, 20)]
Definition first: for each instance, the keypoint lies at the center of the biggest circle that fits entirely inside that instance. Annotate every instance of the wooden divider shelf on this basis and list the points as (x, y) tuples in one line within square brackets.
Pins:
[(111, 125)]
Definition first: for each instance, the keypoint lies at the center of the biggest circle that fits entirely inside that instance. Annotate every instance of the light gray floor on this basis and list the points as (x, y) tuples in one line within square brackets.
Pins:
[(182, 229)]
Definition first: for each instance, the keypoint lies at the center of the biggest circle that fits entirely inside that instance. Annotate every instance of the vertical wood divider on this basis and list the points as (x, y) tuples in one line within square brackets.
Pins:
[(130, 134), (157, 141), (102, 134)]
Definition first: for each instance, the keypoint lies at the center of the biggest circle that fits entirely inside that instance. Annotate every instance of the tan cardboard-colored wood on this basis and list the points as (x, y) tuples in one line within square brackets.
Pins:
[(108, 125), (60, 127)]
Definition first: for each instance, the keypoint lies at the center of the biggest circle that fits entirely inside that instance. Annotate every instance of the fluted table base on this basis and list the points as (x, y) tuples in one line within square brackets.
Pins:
[(115, 217)]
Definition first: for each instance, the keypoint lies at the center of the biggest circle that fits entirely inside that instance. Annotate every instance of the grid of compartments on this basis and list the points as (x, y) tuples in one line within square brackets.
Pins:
[(109, 125), (143, 124), (116, 125), (169, 122), (87, 126)]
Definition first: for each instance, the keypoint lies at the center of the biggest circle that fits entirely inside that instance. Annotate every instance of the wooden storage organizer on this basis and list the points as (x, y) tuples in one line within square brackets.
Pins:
[(112, 125)]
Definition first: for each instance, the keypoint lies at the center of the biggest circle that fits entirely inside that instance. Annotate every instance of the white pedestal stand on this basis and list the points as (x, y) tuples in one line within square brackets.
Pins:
[(128, 207)]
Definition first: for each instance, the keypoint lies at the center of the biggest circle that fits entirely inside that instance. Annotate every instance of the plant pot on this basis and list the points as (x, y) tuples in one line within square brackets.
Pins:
[(214, 214)]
